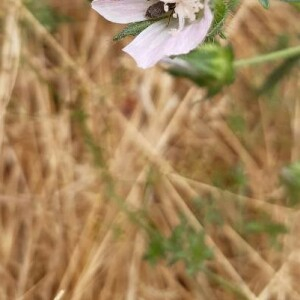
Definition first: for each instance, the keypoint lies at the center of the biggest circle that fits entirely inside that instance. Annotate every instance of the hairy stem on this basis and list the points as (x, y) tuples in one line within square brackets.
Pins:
[(261, 59)]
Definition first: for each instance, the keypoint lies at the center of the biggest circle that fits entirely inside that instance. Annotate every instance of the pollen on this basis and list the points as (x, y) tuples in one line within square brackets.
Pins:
[(185, 10)]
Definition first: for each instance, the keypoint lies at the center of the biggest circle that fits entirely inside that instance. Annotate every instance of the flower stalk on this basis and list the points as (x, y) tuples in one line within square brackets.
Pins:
[(265, 58)]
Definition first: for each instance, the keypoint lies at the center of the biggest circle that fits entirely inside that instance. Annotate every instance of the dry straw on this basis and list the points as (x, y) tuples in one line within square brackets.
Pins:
[(82, 132)]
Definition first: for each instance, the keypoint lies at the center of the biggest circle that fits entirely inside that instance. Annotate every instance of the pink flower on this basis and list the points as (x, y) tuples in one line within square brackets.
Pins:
[(186, 28)]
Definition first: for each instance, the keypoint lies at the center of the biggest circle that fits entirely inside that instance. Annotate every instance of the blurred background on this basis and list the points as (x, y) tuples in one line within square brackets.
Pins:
[(122, 183)]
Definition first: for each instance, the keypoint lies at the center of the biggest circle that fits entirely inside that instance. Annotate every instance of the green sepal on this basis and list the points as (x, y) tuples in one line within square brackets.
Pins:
[(221, 10), (133, 29)]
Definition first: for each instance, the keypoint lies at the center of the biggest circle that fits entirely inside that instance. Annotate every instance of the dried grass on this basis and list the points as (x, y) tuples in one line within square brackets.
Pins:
[(64, 234)]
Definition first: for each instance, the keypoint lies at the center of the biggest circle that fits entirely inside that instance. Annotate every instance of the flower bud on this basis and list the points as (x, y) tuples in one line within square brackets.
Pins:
[(209, 66)]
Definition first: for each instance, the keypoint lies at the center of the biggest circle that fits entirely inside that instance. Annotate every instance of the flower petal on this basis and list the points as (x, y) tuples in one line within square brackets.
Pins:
[(157, 42), (122, 11)]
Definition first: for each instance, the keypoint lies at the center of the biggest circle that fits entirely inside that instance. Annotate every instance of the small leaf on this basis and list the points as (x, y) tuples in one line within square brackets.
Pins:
[(156, 248), (290, 177), (45, 14), (265, 3), (184, 244), (279, 73)]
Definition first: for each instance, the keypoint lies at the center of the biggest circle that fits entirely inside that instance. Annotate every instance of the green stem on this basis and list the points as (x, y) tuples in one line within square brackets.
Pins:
[(286, 53)]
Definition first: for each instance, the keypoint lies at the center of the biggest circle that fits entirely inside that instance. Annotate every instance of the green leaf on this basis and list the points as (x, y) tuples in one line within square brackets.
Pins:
[(290, 177), (184, 244), (264, 226), (295, 3), (279, 73), (156, 249), (197, 252), (45, 14), (265, 3)]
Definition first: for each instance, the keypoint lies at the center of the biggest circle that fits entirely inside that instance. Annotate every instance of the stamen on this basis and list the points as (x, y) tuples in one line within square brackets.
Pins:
[(185, 10)]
